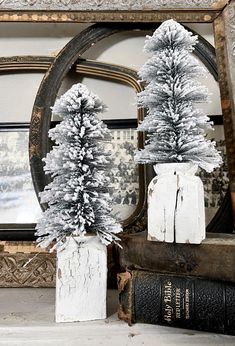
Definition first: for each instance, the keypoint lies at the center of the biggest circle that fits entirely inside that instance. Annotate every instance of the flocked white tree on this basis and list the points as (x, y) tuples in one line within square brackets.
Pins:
[(78, 197), (176, 129)]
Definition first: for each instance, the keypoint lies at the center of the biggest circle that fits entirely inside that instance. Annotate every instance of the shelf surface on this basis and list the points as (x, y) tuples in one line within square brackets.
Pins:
[(27, 318)]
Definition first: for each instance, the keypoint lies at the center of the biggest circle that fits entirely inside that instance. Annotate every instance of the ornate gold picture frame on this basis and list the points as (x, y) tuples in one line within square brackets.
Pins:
[(93, 11)]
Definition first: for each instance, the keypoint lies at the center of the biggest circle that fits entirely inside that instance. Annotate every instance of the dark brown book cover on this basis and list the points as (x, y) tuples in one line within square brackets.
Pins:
[(214, 258), (187, 302)]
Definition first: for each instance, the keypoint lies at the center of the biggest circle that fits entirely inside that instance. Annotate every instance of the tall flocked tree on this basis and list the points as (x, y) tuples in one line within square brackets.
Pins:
[(78, 197), (176, 129)]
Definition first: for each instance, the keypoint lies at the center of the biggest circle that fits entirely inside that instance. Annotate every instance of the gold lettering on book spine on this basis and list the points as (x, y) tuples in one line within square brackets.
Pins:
[(167, 299), (186, 300), (177, 303)]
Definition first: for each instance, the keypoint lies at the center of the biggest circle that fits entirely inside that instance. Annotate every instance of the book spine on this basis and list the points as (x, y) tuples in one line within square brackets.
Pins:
[(180, 259), (187, 302)]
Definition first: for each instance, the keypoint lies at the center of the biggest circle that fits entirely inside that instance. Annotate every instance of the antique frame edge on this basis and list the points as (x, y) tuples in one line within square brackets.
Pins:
[(142, 16)]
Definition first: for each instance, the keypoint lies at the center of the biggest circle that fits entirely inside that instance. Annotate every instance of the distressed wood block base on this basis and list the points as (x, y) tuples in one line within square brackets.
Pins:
[(81, 280), (176, 211)]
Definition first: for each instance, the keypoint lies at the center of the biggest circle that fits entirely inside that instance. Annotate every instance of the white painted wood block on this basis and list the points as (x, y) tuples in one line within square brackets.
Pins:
[(81, 280), (190, 212), (176, 210), (161, 206)]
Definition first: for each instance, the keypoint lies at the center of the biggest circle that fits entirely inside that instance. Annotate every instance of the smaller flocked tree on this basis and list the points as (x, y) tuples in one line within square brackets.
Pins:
[(175, 128), (78, 197)]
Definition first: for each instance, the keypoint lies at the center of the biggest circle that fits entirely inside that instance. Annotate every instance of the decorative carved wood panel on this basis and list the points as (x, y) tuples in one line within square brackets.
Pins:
[(24, 265)]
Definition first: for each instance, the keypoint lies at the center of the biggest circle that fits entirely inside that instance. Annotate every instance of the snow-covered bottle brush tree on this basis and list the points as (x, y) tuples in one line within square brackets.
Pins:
[(176, 142), (78, 221)]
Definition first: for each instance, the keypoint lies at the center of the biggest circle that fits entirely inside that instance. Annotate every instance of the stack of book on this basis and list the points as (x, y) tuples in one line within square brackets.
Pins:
[(181, 285)]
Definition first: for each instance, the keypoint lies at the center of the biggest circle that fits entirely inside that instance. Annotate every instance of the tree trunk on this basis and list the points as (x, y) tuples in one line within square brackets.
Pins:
[(81, 280), (176, 210)]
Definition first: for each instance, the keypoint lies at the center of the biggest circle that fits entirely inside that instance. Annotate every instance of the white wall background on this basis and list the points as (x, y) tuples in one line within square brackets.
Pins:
[(18, 91)]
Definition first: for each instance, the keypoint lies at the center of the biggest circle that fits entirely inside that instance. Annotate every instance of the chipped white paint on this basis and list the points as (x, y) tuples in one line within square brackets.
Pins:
[(176, 210), (81, 281)]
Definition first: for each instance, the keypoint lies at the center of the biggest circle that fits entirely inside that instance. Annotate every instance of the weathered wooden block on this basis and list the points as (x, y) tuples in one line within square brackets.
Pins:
[(176, 210), (81, 280)]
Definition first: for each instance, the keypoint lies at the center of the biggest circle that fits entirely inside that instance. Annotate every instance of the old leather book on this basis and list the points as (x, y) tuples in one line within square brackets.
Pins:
[(186, 302), (213, 259)]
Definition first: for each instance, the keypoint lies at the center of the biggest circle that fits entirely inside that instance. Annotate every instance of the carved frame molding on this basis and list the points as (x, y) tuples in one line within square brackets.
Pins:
[(93, 11), (112, 5), (224, 29), (24, 265), (107, 16)]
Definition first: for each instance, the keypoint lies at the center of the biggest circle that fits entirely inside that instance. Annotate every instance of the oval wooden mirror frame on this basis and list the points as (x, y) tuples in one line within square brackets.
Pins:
[(41, 115)]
